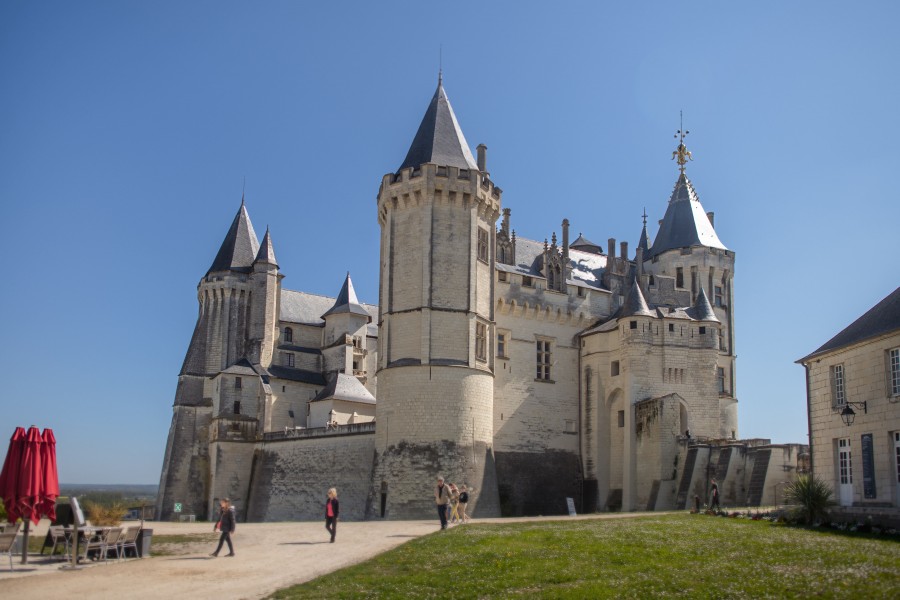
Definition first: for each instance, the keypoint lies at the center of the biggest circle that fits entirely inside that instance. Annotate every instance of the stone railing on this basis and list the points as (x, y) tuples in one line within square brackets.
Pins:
[(316, 432)]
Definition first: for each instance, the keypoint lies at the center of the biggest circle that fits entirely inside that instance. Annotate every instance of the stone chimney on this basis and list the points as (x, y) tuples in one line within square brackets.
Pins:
[(504, 224), (612, 248), (712, 218), (624, 250), (482, 158), (565, 240)]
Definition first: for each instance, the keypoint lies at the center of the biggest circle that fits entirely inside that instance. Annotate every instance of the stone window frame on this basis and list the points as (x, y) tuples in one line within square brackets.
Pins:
[(679, 278), (718, 296), (892, 356), (481, 340), (483, 245), (503, 347), (527, 281), (501, 276), (614, 368), (237, 407), (287, 359), (544, 359), (720, 380), (288, 335), (238, 384), (838, 376)]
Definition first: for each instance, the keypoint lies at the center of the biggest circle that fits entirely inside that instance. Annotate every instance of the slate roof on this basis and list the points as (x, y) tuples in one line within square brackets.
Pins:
[(239, 249), (345, 387), (882, 318), (439, 139), (302, 375), (347, 302), (307, 309), (635, 303), (587, 267), (702, 309), (685, 223), (585, 245), (644, 242), (266, 252)]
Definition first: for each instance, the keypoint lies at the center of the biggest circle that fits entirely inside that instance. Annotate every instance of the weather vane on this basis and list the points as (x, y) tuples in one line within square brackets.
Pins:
[(681, 153)]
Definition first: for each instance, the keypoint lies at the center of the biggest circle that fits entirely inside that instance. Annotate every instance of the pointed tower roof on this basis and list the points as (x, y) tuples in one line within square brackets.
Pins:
[(685, 223), (347, 302), (586, 245), (239, 249), (439, 139), (644, 242), (635, 304), (702, 309), (266, 252)]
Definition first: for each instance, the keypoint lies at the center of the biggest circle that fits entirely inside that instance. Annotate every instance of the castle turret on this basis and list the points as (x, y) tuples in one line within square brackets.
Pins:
[(344, 334), (221, 339), (438, 217)]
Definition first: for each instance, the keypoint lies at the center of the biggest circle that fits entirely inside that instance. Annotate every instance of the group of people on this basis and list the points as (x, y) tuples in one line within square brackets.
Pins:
[(451, 506), (226, 522), (451, 502)]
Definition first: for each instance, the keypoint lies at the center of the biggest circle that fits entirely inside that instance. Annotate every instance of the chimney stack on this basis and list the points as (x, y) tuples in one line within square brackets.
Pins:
[(712, 218), (612, 247), (504, 224), (624, 247), (565, 240), (482, 158)]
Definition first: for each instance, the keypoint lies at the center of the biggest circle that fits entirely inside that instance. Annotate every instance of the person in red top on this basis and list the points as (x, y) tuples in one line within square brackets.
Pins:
[(332, 510)]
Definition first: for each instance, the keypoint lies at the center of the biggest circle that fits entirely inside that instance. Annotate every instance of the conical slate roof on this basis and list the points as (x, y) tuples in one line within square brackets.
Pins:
[(240, 247), (644, 242), (266, 252), (586, 245), (635, 304), (439, 139), (685, 223), (347, 302), (702, 309)]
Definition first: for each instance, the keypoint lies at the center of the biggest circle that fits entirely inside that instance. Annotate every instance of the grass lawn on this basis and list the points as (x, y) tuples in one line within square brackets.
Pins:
[(654, 556)]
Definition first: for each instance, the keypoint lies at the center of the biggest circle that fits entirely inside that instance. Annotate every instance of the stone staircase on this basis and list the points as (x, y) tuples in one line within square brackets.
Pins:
[(685, 486), (758, 477)]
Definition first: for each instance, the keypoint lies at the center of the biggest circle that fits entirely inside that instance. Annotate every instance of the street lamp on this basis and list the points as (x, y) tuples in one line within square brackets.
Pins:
[(848, 414)]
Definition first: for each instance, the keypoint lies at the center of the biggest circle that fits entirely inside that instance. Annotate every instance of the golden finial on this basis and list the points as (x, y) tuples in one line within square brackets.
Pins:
[(682, 153)]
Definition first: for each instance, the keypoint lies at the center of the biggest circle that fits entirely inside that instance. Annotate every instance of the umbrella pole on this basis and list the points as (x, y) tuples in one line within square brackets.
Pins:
[(25, 542)]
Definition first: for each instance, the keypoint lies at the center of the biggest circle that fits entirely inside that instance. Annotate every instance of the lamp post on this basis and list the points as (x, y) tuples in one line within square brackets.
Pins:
[(848, 414)]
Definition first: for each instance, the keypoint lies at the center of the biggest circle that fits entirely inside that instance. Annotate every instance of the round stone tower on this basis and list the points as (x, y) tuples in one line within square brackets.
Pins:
[(434, 414)]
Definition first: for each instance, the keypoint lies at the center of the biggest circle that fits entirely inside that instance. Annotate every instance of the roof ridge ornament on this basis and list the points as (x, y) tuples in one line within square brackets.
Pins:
[(682, 153)]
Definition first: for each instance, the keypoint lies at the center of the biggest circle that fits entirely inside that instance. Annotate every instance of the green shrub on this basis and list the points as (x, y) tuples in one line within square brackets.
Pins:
[(2, 512), (812, 496)]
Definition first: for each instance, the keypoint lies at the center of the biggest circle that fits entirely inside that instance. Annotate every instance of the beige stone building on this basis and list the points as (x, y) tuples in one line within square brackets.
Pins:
[(853, 397), (533, 371)]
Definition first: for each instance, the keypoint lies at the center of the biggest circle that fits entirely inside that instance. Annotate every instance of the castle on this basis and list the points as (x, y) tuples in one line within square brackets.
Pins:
[(532, 371)]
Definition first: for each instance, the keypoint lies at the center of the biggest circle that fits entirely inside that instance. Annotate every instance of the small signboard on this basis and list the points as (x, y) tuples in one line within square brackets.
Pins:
[(178, 507), (570, 502), (868, 462)]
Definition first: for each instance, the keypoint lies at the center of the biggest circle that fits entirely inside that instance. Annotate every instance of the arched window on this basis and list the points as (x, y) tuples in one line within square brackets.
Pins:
[(288, 334)]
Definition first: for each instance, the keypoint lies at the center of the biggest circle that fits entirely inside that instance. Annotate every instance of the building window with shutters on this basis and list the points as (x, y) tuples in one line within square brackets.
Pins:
[(838, 397), (483, 245), (481, 341), (544, 357)]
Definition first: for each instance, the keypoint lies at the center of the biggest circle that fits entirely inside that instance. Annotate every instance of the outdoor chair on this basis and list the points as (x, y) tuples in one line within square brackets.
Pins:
[(129, 540), (58, 537), (7, 541), (103, 543)]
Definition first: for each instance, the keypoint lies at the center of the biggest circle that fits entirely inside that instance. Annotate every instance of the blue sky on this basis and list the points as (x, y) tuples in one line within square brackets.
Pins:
[(127, 130)]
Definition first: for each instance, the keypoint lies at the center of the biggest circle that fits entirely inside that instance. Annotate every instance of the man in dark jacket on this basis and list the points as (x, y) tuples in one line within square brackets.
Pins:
[(225, 524)]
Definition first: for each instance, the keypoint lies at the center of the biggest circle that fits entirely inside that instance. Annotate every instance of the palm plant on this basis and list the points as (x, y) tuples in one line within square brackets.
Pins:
[(812, 496)]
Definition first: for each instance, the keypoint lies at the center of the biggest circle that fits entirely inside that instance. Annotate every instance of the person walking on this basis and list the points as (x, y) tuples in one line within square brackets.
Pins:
[(332, 510), (454, 503), (442, 500), (225, 524), (463, 502), (714, 496)]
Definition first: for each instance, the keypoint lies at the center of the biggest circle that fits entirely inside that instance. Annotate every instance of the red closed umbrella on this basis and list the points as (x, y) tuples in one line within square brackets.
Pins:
[(9, 477), (51, 478), (31, 477)]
